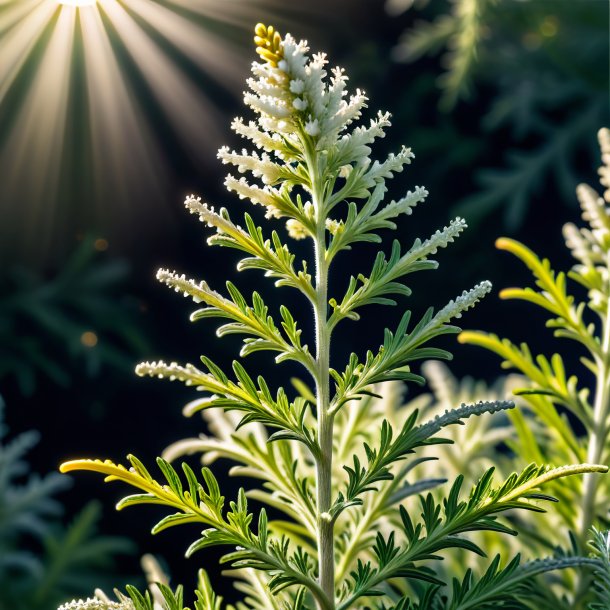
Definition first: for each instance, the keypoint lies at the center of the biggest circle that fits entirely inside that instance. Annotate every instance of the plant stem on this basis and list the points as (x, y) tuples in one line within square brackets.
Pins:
[(325, 428), (596, 448), (325, 525), (597, 443)]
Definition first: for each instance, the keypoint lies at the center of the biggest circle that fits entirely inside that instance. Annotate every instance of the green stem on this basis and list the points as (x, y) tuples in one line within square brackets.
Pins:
[(325, 427), (595, 453), (324, 463)]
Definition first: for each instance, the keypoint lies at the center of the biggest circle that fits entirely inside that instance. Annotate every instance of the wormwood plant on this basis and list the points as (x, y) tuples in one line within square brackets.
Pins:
[(552, 391), (350, 537)]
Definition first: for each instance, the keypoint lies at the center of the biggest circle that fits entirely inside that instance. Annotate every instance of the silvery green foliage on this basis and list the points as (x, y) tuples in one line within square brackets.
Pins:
[(551, 389), (481, 444), (354, 520)]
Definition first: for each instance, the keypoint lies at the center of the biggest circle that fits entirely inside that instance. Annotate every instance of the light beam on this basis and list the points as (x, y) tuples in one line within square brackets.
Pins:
[(90, 93), (77, 2)]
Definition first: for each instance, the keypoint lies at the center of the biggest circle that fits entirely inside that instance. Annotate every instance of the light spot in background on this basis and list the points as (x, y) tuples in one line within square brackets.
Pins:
[(101, 244), (531, 41), (549, 26), (89, 339)]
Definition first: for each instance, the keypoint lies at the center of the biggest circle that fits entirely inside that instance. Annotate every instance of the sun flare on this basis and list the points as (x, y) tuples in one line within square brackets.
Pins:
[(77, 2), (91, 91)]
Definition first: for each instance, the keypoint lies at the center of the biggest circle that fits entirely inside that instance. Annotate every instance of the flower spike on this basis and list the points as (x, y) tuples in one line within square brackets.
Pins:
[(268, 44)]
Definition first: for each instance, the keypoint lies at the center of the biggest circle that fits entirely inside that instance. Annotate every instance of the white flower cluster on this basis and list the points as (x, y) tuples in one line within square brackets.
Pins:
[(301, 108), (293, 96), (95, 603), (304, 133), (590, 246)]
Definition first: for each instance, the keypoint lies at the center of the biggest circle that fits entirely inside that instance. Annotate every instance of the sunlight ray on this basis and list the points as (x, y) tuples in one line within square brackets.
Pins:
[(123, 145), (190, 112), (18, 42), (37, 138), (15, 12), (235, 12), (185, 35), (103, 103)]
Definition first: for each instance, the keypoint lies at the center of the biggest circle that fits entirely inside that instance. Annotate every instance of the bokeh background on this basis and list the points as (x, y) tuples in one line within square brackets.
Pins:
[(111, 114)]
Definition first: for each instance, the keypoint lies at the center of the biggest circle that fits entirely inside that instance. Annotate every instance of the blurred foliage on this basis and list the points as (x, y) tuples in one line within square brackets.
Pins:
[(542, 70), (41, 560), (571, 405), (77, 320)]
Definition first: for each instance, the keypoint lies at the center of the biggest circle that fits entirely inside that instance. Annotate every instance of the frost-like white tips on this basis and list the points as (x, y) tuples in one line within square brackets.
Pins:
[(465, 301), (261, 166), (295, 229), (312, 128), (259, 137), (194, 206), (406, 204), (297, 86), (173, 371), (392, 165), (267, 196), (273, 107), (442, 238), (593, 206), (97, 604), (200, 292), (604, 171), (584, 246), (280, 91), (590, 245)]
